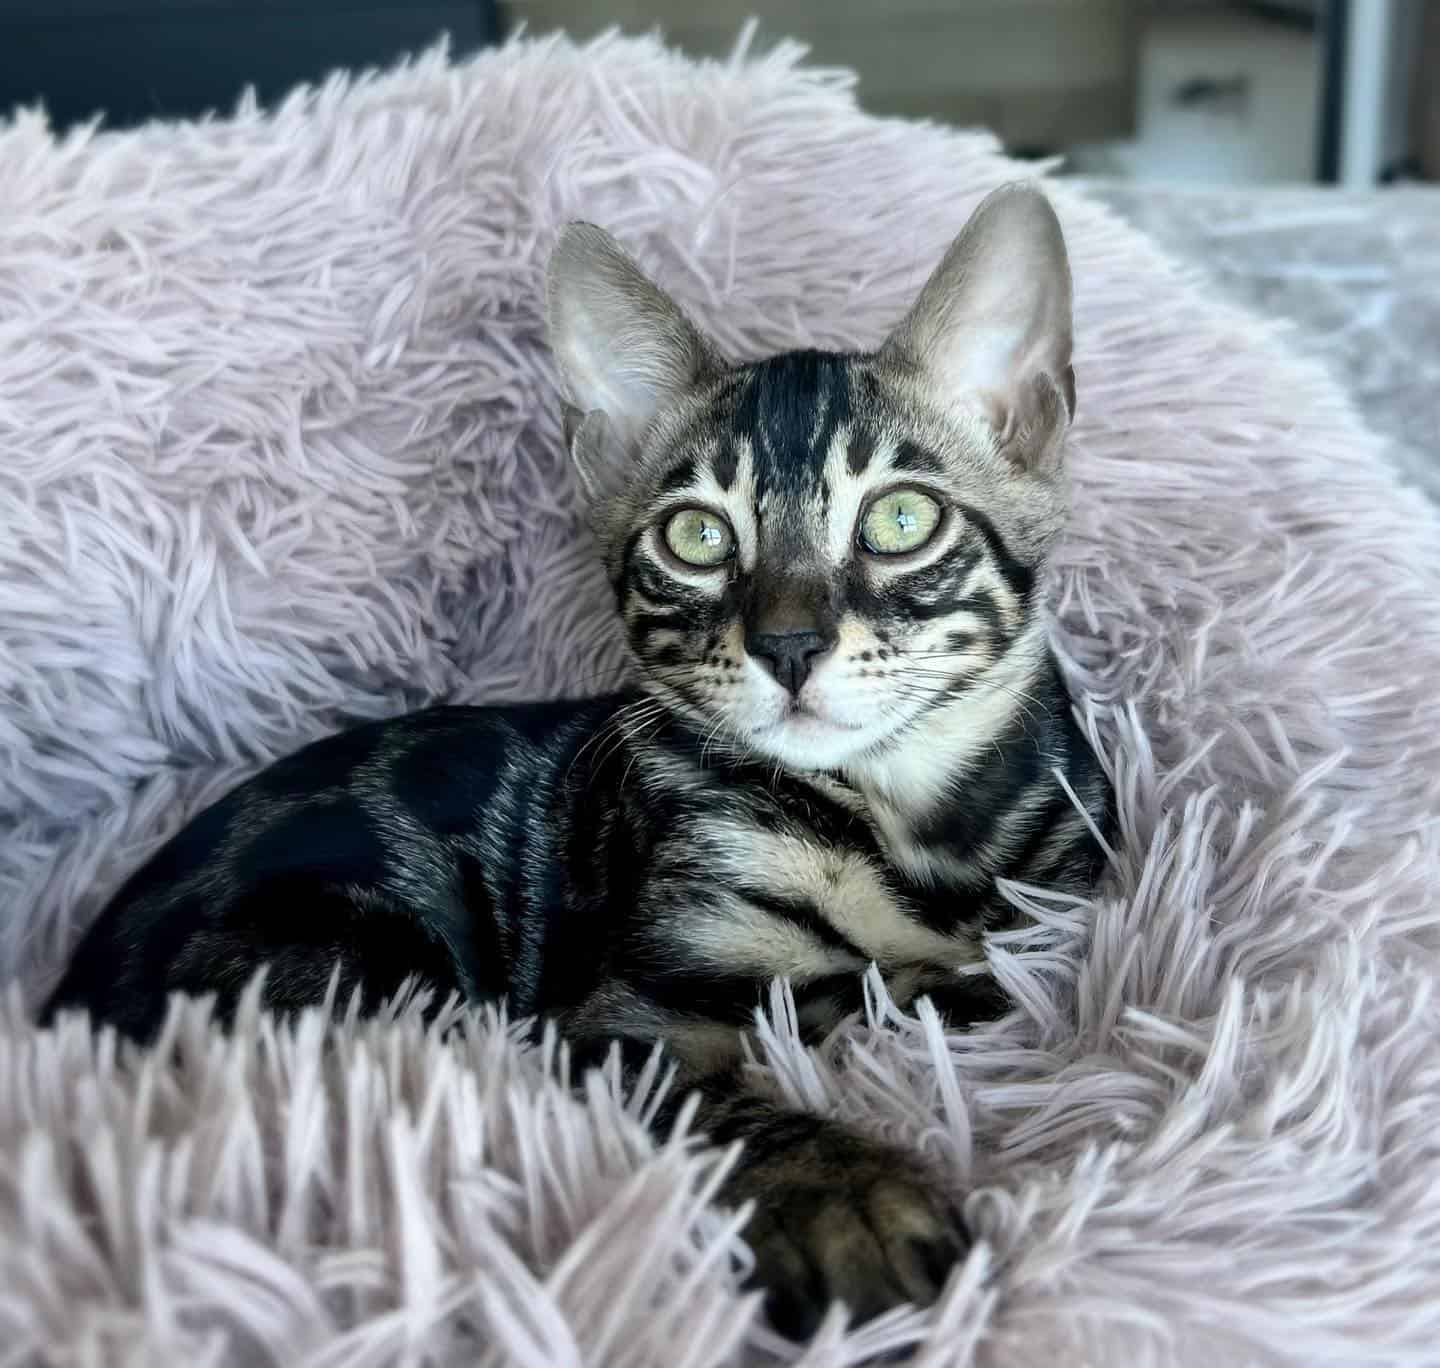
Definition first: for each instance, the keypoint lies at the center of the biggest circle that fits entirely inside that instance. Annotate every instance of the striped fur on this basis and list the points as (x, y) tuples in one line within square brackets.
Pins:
[(639, 867)]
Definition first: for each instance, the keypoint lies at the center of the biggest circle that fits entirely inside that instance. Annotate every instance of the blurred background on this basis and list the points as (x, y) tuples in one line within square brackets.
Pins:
[(1182, 91), (1286, 149)]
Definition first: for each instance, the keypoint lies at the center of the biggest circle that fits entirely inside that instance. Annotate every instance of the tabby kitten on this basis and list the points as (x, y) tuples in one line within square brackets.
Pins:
[(848, 725)]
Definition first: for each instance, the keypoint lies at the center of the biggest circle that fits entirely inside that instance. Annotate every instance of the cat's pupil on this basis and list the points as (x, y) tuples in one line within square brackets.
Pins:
[(906, 522), (709, 535)]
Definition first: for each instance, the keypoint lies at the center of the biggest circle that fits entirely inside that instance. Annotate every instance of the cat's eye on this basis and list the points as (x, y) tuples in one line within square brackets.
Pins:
[(699, 537), (902, 520)]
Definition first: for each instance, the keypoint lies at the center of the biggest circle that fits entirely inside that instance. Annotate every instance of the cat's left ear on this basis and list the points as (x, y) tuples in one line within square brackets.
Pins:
[(625, 349), (992, 327)]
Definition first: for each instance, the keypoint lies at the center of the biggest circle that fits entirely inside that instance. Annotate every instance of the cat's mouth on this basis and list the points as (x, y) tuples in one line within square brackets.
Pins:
[(800, 714), (803, 712)]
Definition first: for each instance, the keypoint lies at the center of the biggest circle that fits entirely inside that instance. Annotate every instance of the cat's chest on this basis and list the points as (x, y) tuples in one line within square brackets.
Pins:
[(940, 870), (937, 873), (790, 902)]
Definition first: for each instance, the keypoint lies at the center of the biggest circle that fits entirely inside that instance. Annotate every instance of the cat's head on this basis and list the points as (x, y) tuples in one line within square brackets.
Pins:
[(813, 552)]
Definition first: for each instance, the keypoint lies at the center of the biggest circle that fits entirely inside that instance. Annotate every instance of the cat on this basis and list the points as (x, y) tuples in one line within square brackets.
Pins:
[(848, 725)]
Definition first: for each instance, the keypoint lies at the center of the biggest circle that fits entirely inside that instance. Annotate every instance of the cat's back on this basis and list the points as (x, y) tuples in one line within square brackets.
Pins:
[(318, 851)]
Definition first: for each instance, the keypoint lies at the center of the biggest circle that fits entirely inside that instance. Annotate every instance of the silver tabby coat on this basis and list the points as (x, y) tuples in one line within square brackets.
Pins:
[(848, 725)]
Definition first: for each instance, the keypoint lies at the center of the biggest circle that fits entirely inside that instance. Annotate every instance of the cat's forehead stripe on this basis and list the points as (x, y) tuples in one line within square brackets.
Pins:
[(797, 438), (791, 407)]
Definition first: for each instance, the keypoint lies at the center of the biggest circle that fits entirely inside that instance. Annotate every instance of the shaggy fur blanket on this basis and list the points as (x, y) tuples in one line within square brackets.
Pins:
[(279, 448)]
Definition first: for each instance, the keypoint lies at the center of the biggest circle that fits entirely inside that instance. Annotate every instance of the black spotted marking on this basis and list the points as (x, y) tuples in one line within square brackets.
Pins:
[(192, 849)]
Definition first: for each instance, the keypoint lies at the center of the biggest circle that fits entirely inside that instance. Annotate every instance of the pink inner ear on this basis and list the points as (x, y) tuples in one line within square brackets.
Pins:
[(1001, 416), (1035, 426)]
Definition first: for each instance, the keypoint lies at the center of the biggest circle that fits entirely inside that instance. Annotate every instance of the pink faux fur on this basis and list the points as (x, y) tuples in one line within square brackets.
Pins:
[(279, 446)]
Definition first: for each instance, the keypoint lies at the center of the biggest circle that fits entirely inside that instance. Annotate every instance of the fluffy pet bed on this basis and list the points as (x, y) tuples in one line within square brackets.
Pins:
[(279, 448)]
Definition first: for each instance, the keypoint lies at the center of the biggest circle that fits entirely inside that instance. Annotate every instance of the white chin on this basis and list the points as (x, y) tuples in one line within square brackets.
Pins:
[(806, 742)]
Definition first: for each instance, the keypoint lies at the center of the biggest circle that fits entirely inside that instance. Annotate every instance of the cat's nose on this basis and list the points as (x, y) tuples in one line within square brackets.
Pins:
[(789, 656)]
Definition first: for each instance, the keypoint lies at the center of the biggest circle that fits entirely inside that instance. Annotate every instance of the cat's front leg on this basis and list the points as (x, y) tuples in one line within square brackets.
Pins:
[(837, 1216)]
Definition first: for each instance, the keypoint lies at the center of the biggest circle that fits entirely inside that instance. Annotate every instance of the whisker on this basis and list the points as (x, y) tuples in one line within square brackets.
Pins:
[(614, 727), (913, 677), (654, 723)]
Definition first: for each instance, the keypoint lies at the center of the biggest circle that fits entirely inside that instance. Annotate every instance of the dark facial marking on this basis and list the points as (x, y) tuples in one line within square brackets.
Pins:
[(726, 464), (1020, 578), (914, 459), (960, 642), (660, 622), (661, 588), (982, 605), (862, 448), (939, 582), (678, 477), (778, 408)]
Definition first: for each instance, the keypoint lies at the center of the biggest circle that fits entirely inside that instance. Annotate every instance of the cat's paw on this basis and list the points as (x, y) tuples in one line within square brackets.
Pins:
[(840, 1219)]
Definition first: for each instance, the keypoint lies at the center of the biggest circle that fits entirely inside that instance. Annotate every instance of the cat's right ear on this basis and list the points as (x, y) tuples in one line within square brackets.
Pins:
[(624, 348)]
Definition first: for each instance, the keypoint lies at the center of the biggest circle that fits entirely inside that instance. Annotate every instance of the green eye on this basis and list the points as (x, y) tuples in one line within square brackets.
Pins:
[(903, 520), (700, 537)]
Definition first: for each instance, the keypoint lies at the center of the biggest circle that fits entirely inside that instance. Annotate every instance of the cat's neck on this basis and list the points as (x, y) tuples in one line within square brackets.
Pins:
[(918, 774)]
